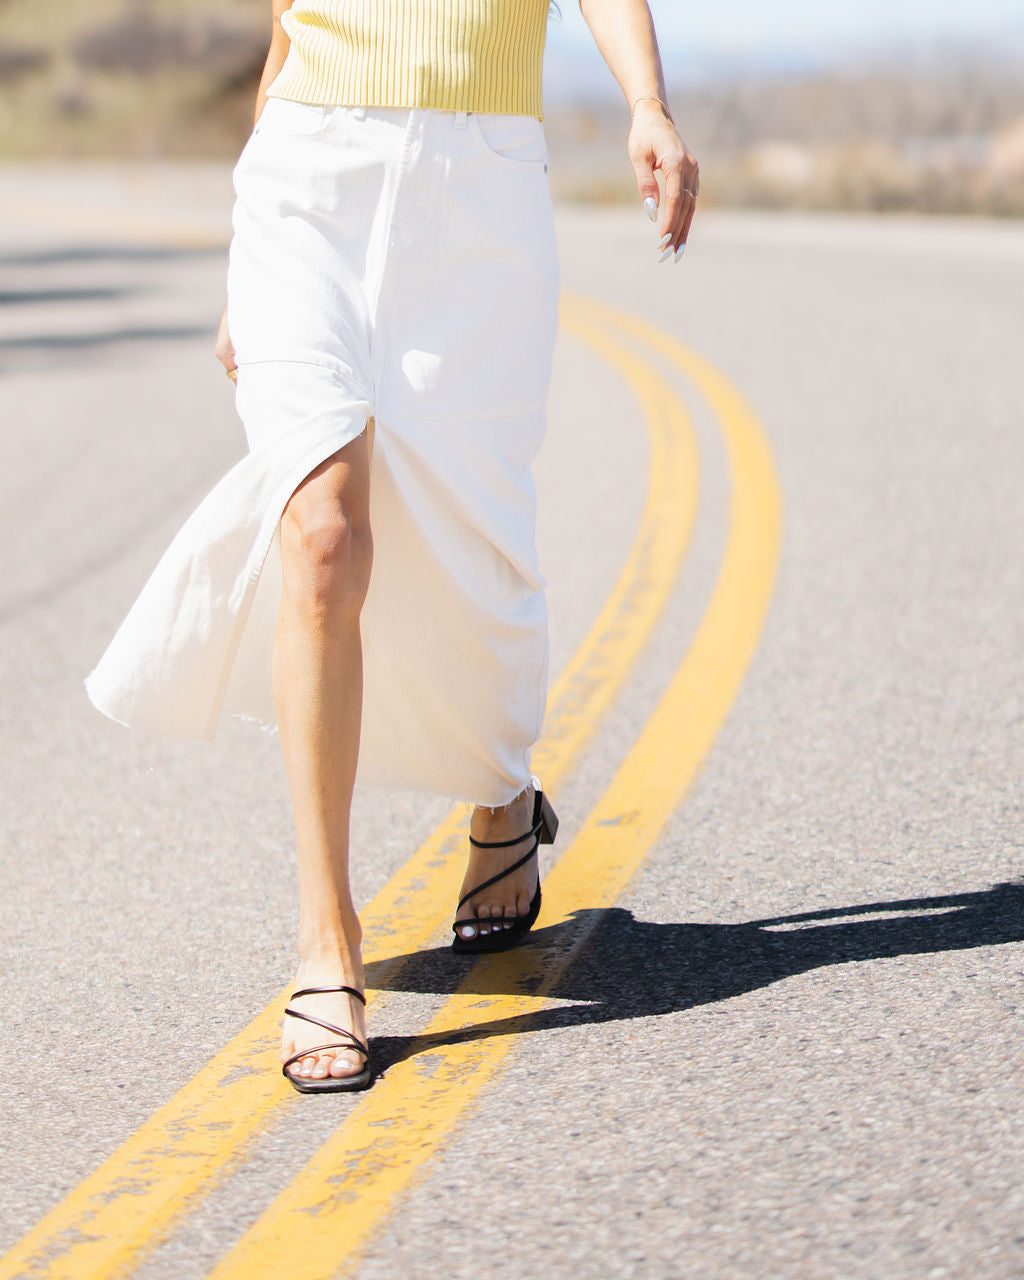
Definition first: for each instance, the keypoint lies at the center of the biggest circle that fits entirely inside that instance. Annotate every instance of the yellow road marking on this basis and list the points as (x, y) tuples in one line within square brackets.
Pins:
[(317, 1226), (129, 1202)]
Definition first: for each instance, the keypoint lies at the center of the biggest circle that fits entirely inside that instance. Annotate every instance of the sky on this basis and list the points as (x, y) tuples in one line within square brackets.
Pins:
[(759, 32)]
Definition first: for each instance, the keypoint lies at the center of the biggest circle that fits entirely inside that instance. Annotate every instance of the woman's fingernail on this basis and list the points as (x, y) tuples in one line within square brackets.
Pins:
[(680, 251), (666, 254), (665, 239), (651, 207)]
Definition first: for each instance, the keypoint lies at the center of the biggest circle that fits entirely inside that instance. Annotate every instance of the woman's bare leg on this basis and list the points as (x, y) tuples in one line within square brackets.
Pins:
[(317, 669)]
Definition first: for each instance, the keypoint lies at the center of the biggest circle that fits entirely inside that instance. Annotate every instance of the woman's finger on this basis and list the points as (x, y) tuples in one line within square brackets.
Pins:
[(685, 235), (678, 242), (646, 183), (677, 203), (224, 348), (690, 189)]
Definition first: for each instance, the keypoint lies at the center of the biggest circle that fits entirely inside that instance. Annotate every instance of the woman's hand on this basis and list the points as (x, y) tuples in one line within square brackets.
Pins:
[(224, 348), (655, 144)]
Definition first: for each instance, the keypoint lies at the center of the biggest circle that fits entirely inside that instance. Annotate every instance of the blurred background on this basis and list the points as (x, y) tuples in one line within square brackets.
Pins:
[(898, 105), (856, 1120)]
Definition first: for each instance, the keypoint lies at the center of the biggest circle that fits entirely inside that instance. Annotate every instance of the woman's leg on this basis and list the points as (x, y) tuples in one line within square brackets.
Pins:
[(326, 554)]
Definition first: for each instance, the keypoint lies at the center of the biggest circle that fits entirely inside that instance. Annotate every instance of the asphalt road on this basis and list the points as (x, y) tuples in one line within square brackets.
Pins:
[(792, 1048)]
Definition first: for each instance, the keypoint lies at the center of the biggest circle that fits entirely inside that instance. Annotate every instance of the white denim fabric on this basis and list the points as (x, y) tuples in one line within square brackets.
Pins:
[(398, 264)]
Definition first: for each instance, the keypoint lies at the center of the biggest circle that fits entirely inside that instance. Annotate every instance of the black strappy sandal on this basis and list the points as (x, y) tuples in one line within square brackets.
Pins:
[(543, 831), (328, 1084)]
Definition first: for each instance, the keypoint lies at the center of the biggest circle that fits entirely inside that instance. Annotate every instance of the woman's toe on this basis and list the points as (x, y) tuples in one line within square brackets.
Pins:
[(468, 931)]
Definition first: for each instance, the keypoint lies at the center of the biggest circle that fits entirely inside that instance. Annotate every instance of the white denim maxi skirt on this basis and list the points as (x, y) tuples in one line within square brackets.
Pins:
[(400, 265)]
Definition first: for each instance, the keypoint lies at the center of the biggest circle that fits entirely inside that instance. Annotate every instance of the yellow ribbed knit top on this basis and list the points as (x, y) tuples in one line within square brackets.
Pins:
[(451, 55)]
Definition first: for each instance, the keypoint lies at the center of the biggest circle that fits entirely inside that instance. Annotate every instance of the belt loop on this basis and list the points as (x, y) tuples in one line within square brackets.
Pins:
[(460, 119)]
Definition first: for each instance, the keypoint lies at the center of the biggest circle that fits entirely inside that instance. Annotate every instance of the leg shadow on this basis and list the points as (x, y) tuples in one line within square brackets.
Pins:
[(613, 967)]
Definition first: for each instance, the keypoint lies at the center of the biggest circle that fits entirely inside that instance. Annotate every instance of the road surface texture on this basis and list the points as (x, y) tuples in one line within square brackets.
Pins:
[(776, 1031)]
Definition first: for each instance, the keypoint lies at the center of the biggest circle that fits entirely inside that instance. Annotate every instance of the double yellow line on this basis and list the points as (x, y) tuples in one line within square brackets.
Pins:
[(321, 1220)]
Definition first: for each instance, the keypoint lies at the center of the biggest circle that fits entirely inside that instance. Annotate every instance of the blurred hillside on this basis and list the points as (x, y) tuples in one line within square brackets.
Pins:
[(177, 78), (129, 78), (943, 134)]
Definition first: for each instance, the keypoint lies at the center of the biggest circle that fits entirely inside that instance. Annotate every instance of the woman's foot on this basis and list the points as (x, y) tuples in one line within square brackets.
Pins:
[(496, 908), (335, 1007)]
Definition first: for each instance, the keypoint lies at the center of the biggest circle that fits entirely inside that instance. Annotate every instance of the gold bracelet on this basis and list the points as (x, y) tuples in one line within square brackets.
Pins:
[(648, 97)]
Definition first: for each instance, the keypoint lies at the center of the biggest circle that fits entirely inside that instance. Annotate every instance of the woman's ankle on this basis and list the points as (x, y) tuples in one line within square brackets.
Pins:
[(486, 819), (336, 947)]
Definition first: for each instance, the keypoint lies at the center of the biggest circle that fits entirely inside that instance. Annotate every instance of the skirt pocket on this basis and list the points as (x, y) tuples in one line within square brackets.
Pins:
[(517, 141)]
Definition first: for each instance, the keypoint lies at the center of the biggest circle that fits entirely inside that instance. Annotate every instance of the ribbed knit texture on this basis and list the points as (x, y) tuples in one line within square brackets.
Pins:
[(451, 55)]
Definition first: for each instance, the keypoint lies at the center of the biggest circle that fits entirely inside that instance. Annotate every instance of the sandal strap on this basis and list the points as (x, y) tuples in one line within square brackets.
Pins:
[(507, 844), (320, 1048), (323, 991), (521, 862), (327, 1026)]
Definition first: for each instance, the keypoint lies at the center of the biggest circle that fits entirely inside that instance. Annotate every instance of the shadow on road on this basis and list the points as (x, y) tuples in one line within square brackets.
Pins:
[(69, 253), (98, 293), (631, 969), (47, 344), (103, 338)]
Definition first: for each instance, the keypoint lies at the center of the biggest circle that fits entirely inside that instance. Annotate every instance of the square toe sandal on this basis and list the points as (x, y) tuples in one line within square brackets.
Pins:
[(543, 831), (329, 1084)]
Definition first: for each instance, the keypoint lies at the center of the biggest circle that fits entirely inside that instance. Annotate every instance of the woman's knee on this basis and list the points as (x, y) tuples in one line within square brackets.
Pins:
[(326, 546)]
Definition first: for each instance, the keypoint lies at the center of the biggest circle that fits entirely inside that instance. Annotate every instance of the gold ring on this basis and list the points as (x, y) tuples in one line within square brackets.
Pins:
[(233, 374)]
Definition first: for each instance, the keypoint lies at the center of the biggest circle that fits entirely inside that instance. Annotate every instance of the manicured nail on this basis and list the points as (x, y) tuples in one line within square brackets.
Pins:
[(469, 931), (680, 251), (666, 254), (651, 207), (665, 239)]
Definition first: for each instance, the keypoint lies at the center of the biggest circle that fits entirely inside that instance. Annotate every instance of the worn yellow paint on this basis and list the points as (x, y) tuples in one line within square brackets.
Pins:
[(317, 1226), (120, 1211), (593, 677)]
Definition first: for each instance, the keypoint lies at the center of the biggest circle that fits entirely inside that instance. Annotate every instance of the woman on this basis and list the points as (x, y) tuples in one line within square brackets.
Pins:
[(392, 293)]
